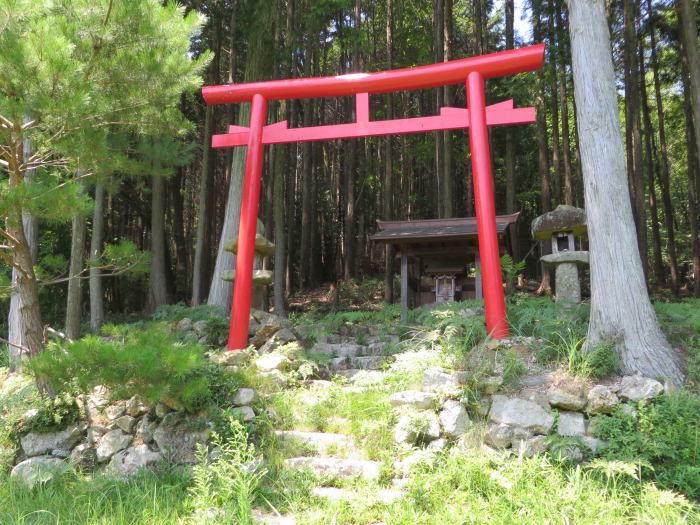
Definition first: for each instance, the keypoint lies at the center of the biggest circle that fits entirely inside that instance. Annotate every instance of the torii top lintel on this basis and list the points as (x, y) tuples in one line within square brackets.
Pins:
[(493, 65)]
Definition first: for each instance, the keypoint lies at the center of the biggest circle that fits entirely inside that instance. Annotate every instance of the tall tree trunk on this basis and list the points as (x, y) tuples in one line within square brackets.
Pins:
[(74, 296), (97, 308), (689, 39), (621, 312), (439, 49), (258, 67), (201, 251), (693, 178), (509, 6), (651, 156), (306, 179), (664, 177), (554, 108), (447, 178), (388, 207), (635, 161), (568, 189), (17, 335), (157, 284)]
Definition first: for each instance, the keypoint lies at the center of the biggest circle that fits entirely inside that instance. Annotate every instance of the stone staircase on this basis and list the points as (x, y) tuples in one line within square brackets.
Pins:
[(334, 456), (348, 356)]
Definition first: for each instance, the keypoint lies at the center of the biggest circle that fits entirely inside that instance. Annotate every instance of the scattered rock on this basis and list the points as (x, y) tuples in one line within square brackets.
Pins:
[(437, 445), (521, 413), (438, 379), (245, 396), (94, 433), (530, 447), (571, 424), (84, 457), (521, 434), (413, 427), (126, 423), (36, 443), (601, 400), (115, 411), (136, 406), (162, 410), (592, 443), (638, 388), (491, 384), (229, 357), (145, 429), (184, 325), (483, 406), (282, 337), (244, 413), (39, 469), (111, 443), (176, 437), (200, 328), (129, 461), (415, 398), (454, 419), (499, 435), (569, 396), (272, 361)]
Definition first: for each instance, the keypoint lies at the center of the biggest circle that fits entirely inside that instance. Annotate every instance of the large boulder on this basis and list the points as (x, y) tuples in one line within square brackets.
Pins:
[(520, 413), (454, 419), (178, 436), (111, 443), (245, 396), (638, 388), (38, 443), (272, 361), (145, 429), (39, 469), (129, 461), (280, 338), (498, 435), (530, 447), (440, 380), (84, 457)]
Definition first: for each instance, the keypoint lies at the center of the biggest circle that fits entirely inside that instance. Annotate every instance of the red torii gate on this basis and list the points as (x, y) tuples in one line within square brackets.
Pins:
[(477, 117)]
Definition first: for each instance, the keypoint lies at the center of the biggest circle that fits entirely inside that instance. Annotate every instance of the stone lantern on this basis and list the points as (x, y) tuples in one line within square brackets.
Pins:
[(262, 279), (561, 227)]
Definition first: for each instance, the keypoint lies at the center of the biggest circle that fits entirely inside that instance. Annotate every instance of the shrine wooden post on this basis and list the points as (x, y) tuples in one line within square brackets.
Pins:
[(477, 117)]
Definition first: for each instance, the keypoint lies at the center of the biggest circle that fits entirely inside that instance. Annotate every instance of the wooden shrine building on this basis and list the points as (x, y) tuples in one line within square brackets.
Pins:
[(440, 257)]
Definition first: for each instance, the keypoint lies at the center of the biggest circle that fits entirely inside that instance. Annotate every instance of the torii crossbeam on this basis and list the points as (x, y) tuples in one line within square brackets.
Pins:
[(477, 117)]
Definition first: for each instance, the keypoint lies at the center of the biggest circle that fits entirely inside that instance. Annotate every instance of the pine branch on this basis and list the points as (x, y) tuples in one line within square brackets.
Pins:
[(22, 348)]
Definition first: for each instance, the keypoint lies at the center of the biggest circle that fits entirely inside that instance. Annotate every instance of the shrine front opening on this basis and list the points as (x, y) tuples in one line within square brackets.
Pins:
[(477, 118)]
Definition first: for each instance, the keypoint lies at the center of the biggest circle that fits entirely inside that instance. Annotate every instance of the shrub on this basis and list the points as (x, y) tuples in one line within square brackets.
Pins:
[(146, 362), (665, 434)]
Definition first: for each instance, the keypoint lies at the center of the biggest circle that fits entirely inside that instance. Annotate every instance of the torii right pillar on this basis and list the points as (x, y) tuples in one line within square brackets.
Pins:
[(485, 206)]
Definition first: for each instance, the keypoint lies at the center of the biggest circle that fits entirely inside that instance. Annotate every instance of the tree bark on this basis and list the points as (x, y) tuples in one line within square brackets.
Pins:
[(568, 193), (689, 39), (97, 309), (635, 161), (258, 67), (74, 296), (664, 171), (388, 207), (157, 284), (693, 179), (447, 91), (621, 312), (554, 108)]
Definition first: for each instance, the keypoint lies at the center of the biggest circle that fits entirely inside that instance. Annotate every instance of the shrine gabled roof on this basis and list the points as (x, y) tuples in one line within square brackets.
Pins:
[(436, 229)]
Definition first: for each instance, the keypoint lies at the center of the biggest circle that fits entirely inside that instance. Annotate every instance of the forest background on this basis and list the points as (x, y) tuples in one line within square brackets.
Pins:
[(320, 200)]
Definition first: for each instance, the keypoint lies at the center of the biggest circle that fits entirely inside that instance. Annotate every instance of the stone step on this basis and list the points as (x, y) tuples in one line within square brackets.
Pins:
[(336, 467), (383, 339), (323, 442), (385, 496), (362, 377), (370, 362), (349, 350)]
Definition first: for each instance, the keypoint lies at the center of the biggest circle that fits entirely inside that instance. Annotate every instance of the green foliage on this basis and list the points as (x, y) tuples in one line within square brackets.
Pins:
[(230, 481), (52, 414), (681, 323), (665, 435), (541, 317), (147, 362), (179, 311), (18, 394), (511, 269), (598, 362), (513, 368)]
